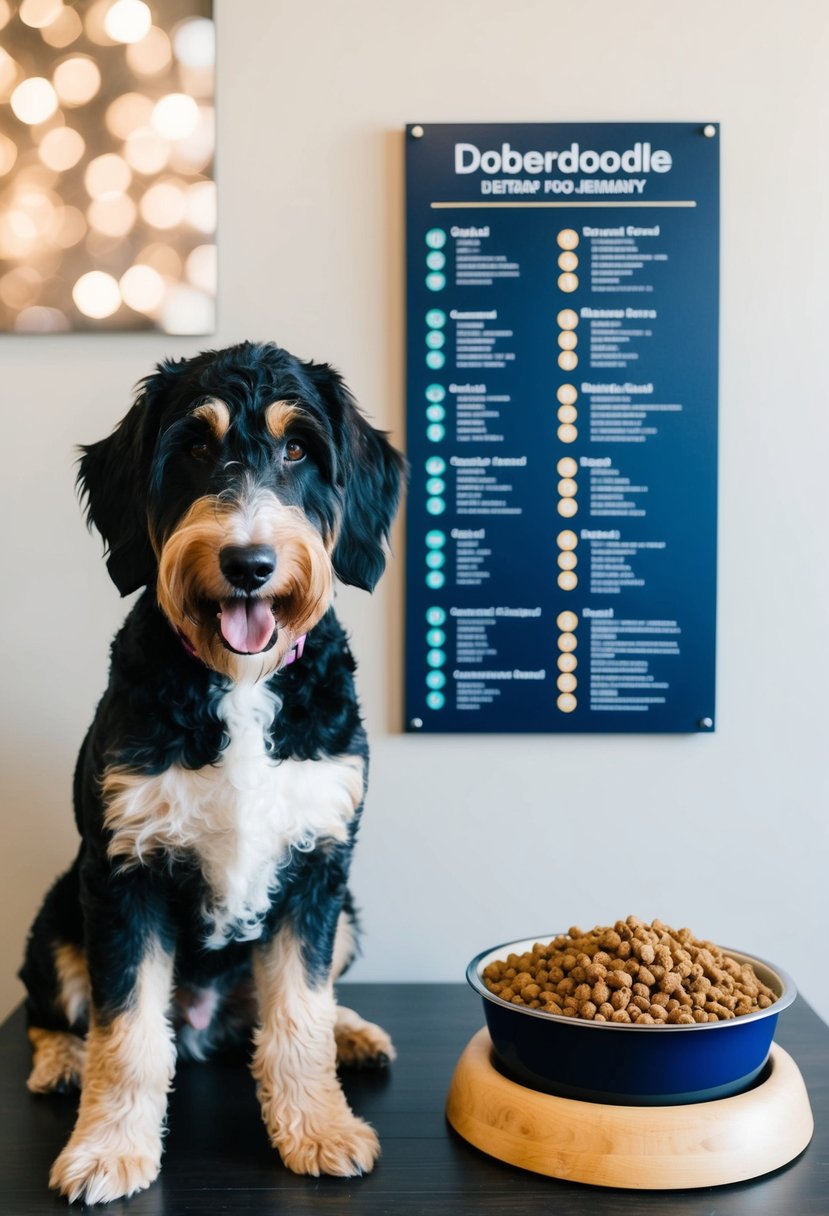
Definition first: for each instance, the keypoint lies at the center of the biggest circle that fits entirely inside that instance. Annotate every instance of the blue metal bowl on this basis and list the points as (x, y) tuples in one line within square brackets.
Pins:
[(624, 1063)]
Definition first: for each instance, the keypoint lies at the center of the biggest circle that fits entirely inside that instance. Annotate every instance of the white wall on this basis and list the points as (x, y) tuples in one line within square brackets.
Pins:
[(470, 841)]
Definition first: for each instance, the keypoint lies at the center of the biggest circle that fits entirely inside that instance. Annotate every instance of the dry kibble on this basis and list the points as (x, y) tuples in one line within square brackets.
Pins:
[(630, 972)]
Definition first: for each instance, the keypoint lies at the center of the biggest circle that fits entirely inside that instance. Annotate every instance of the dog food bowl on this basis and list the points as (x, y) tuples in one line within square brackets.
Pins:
[(626, 1064)]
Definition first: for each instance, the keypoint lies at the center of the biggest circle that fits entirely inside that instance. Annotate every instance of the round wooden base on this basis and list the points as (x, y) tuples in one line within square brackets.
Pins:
[(638, 1147)]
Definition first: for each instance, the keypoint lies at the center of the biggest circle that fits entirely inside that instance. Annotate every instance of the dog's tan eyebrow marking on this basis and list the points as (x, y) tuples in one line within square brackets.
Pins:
[(216, 415), (281, 415)]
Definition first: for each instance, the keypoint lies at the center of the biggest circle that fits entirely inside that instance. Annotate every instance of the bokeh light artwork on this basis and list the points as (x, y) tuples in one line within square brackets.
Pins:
[(107, 197)]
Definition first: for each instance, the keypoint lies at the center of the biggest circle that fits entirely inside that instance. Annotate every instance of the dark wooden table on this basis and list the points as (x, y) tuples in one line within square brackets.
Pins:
[(218, 1161)]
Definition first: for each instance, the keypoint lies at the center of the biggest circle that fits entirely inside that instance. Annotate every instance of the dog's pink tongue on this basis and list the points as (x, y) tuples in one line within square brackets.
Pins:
[(246, 625)]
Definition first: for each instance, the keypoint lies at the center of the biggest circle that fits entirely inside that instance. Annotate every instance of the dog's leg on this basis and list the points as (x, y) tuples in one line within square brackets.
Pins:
[(115, 1148), (360, 1044), (303, 1106)]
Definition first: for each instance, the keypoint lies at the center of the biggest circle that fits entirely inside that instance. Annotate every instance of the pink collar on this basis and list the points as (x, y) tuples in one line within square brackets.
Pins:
[(293, 654)]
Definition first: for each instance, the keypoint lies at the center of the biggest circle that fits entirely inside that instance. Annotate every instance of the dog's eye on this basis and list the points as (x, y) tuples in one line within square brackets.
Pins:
[(199, 451), (294, 451)]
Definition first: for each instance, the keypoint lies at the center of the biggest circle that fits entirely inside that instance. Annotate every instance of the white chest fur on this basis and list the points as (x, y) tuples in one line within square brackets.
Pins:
[(240, 818)]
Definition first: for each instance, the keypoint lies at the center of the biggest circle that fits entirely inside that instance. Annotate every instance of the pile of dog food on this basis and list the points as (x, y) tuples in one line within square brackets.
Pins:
[(649, 974)]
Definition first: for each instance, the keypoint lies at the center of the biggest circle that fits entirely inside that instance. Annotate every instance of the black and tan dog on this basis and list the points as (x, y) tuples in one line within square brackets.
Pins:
[(219, 789)]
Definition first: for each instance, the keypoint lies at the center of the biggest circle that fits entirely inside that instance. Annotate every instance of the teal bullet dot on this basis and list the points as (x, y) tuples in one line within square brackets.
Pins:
[(435, 359), (436, 281), (435, 615), (435, 260), (435, 637), (435, 559), (435, 579), (435, 506), (435, 679), (435, 465), (435, 238), (435, 339), (435, 539), (435, 700), (435, 485), (435, 658), (435, 432), (435, 392), (435, 413), (436, 318)]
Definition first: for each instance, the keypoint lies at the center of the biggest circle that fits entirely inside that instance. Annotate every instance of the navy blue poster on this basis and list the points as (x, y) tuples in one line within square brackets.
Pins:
[(562, 322)]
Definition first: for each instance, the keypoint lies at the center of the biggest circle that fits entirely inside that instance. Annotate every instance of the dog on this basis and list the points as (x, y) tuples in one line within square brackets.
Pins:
[(219, 789)]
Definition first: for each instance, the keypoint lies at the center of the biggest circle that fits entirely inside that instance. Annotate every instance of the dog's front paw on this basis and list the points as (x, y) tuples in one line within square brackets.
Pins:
[(346, 1147), (86, 1170), (362, 1044)]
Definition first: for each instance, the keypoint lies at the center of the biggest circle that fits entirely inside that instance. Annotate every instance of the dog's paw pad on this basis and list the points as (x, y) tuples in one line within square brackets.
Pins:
[(364, 1046), (347, 1149), (84, 1172)]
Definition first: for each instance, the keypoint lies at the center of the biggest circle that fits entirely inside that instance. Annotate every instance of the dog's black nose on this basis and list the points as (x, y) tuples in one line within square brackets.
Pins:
[(247, 567)]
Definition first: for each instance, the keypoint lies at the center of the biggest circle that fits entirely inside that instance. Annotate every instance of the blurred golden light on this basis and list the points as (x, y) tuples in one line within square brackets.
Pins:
[(9, 75), (20, 287), (72, 228), (195, 43), (127, 113), (34, 100), (162, 258), (40, 320), (39, 207), (61, 148), (107, 175), (95, 24), (200, 206), (77, 80), (145, 151), (113, 215), (201, 268), (163, 205), (128, 21), (175, 116), (142, 288), (193, 154), (187, 311), (17, 234), (96, 295), (64, 30), (8, 154), (38, 13), (151, 55), (5, 13)]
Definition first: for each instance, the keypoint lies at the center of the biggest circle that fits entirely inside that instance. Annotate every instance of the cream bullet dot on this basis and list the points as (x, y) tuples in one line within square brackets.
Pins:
[(566, 702), (567, 413), (566, 683), (568, 238), (567, 340), (567, 621), (567, 560), (568, 360), (567, 642), (567, 488), (567, 662), (568, 282), (568, 507), (567, 261), (567, 580), (567, 394), (567, 539), (567, 466), (568, 318), (567, 434)]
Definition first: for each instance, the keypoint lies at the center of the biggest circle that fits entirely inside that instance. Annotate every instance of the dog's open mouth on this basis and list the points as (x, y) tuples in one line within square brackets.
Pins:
[(247, 625)]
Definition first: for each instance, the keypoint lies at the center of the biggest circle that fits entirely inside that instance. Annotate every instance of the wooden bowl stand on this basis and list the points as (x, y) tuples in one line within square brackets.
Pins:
[(637, 1147)]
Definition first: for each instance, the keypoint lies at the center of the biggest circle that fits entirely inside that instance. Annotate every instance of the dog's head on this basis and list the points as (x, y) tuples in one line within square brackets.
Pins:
[(238, 485)]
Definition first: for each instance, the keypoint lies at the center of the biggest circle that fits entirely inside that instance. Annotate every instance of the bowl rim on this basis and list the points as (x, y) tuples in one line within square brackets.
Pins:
[(787, 994)]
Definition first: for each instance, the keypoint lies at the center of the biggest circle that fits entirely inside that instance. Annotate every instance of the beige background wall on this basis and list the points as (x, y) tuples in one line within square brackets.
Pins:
[(469, 841)]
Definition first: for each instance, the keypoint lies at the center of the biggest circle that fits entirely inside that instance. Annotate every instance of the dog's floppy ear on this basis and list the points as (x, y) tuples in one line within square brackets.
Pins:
[(370, 474), (112, 478)]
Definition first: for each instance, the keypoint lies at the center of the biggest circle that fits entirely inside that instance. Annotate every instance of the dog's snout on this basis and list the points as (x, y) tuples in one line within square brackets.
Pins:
[(247, 567)]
